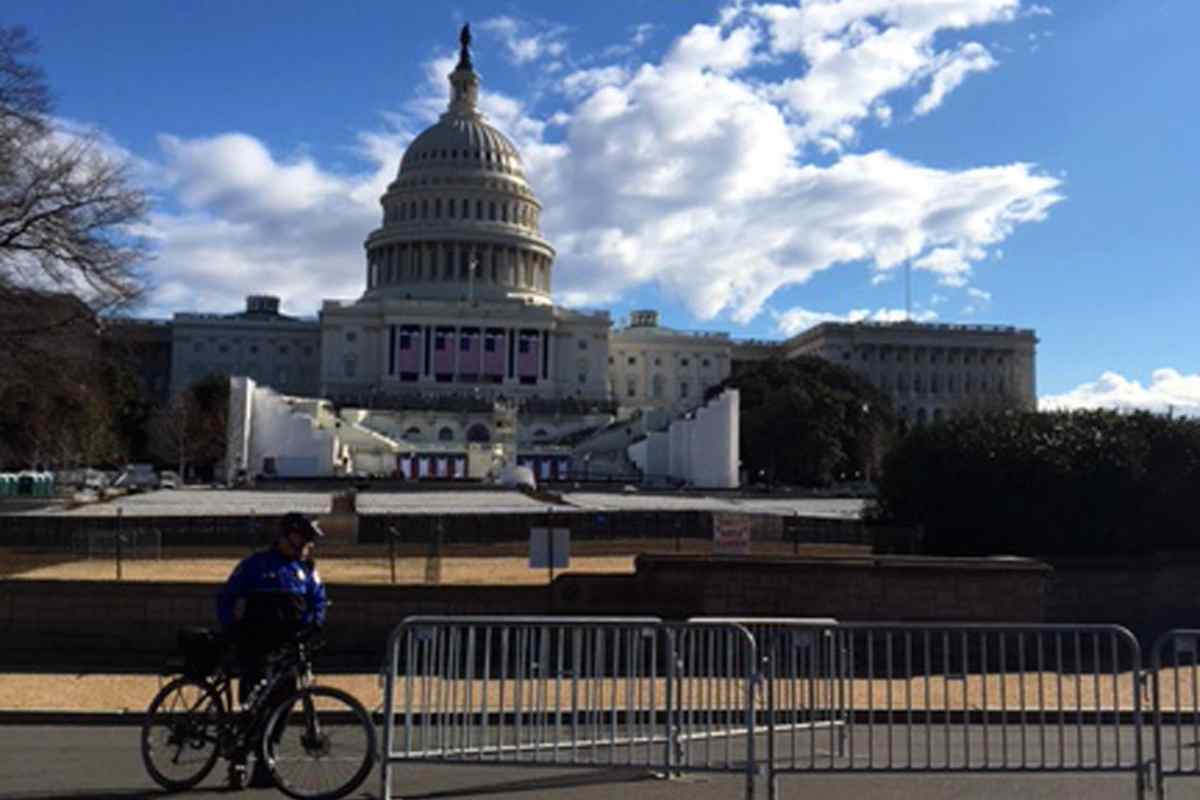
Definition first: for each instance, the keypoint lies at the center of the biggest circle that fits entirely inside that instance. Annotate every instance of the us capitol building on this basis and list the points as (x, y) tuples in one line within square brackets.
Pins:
[(458, 312)]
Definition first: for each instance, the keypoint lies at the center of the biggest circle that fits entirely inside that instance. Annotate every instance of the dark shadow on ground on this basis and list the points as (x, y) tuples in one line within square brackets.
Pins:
[(594, 778)]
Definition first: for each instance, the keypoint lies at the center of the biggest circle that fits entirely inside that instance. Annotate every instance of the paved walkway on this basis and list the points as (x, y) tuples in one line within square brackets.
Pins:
[(103, 763)]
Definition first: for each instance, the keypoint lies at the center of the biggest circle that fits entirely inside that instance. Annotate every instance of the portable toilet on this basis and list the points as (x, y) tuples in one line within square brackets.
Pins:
[(7, 484)]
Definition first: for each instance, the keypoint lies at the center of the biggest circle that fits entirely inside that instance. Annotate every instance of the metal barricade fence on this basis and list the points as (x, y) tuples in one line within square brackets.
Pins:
[(1175, 678), (570, 691), (971, 698)]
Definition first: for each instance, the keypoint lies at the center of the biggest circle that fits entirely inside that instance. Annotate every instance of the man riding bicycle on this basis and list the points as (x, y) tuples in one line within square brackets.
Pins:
[(270, 597)]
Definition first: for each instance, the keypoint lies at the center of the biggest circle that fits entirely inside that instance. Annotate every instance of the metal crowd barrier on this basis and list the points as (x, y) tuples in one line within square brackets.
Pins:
[(827, 697), (972, 699), (570, 691), (1175, 677)]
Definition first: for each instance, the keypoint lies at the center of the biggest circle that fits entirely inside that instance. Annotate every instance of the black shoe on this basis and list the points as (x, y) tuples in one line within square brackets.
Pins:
[(236, 777), (260, 777)]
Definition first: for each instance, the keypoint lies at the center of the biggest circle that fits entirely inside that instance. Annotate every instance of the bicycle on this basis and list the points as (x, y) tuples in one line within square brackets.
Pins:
[(192, 722)]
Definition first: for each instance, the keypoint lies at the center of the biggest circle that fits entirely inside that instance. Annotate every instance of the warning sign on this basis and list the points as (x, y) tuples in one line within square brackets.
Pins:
[(731, 535)]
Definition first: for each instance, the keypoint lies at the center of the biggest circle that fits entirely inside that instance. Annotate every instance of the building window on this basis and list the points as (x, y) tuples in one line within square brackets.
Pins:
[(951, 384), (610, 361), (308, 351), (199, 348), (866, 354), (253, 349), (683, 389), (446, 435), (583, 344), (351, 367), (631, 388), (489, 344), (283, 349), (657, 362), (846, 355), (439, 342), (918, 355), (901, 356), (351, 336), (412, 433), (631, 361), (704, 363), (917, 383), (1000, 384), (583, 377), (933, 357), (967, 358), (683, 362), (224, 348)]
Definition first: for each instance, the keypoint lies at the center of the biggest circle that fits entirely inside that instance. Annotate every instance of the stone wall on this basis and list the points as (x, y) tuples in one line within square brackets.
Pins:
[(132, 626)]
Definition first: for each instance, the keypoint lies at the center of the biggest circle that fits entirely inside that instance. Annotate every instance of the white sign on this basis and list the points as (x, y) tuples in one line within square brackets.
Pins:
[(731, 535), (549, 547)]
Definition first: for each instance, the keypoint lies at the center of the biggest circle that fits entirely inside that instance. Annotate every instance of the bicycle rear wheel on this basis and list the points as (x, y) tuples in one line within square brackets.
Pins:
[(319, 744), (180, 735)]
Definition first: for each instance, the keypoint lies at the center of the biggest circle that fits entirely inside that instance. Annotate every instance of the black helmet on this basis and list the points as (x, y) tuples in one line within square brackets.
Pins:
[(295, 522)]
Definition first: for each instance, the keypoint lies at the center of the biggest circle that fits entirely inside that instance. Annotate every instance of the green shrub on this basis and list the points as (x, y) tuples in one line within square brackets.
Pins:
[(1045, 484)]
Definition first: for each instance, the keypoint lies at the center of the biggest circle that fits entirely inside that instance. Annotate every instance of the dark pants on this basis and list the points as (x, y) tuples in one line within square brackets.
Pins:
[(254, 668)]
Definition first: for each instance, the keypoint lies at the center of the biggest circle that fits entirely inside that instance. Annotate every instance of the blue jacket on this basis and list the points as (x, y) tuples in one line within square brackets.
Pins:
[(281, 596)]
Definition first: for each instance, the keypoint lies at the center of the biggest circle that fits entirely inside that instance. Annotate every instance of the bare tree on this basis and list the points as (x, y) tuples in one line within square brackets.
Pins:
[(67, 208), (172, 428)]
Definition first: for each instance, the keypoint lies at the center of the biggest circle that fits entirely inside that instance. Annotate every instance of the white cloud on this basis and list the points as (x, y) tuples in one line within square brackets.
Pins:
[(859, 52), (979, 295), (952, 69), (523, 44), (585, 81), (1168, 390), (687, 173), (798, 320)]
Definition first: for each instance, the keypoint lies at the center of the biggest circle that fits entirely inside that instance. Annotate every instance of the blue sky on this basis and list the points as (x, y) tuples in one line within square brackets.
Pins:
[(755, 168)]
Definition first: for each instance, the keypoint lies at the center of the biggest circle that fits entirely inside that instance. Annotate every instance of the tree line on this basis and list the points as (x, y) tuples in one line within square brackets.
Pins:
[(70, 261)]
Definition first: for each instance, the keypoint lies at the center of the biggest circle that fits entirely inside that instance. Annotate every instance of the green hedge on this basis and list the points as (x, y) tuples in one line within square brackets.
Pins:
[(1046, 484)]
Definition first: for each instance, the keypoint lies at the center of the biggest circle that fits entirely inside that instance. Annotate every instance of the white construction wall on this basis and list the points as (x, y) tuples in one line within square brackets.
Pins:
[(702, 450)]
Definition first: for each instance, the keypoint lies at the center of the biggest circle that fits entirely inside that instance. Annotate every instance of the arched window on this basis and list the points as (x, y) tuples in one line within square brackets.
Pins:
[(425, 208), (937, 415), (921, 416), (446, 434), (437, 208), (412, 433), (492, 211), (657, 384), (479, 433), (631, 387), (450, 208), (540, 435), (478, 208)]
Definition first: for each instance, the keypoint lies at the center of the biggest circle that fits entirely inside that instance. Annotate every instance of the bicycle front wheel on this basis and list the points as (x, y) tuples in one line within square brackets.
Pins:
[(180, 735), (319, 744)]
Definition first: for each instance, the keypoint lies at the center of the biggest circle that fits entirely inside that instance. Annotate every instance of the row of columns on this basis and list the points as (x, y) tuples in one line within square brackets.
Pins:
[(422, 347), (451, 261), (465, 208)]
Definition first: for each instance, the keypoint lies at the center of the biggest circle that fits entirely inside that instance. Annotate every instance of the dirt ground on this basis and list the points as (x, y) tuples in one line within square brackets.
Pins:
[(507, 570), (132, 693)]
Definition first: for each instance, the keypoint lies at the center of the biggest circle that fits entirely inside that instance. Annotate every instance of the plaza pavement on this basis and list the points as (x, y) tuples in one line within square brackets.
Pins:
[(103, 763)]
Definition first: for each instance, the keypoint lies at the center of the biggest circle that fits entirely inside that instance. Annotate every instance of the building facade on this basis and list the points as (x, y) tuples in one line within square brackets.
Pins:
[(457, 312), (932, 372)]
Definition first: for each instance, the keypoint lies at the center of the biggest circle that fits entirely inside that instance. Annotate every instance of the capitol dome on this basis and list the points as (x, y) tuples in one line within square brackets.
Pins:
[(460, 222)]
